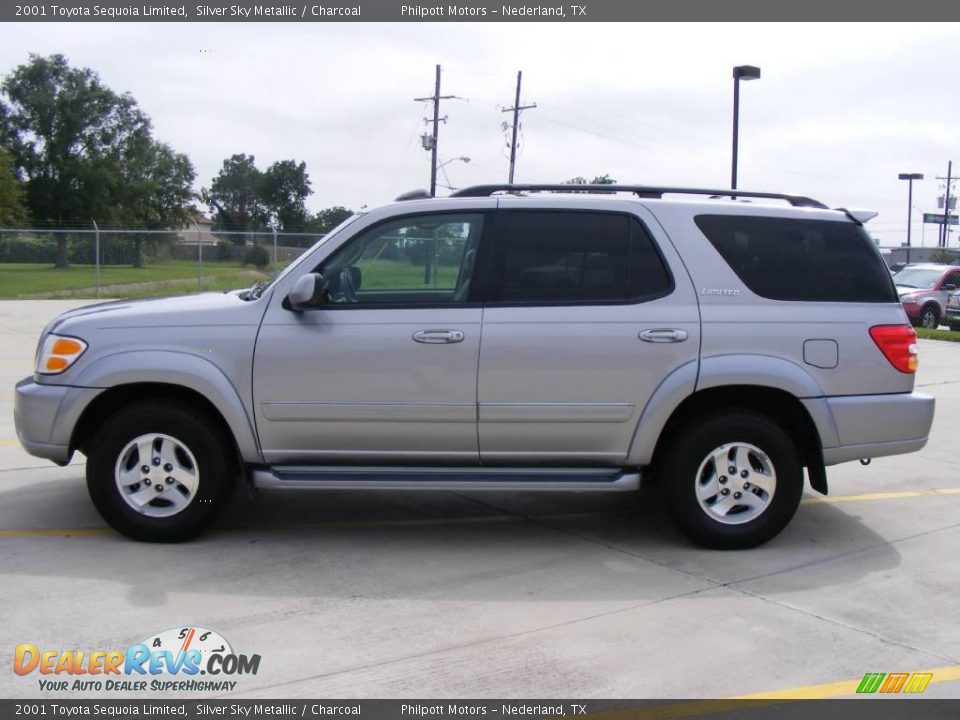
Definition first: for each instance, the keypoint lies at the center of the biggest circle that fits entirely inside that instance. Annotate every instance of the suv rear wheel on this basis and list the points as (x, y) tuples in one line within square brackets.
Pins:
[(733, 479), (159, 472)]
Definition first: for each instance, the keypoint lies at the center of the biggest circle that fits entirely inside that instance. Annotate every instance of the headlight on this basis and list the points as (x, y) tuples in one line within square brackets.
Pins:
[(58, 353)]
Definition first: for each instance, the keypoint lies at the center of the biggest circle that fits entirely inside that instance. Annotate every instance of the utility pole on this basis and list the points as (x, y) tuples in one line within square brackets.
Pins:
[(516, 109), (945, 232), (435, 99)]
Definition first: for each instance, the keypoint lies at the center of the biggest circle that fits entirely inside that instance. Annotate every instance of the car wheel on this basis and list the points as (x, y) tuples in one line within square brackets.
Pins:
[(930, 317), (160, 472), (733, 479), (954, 326)]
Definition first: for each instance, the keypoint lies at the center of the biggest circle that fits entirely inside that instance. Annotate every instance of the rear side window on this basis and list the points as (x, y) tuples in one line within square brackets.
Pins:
[(792, 259), (577, 257)]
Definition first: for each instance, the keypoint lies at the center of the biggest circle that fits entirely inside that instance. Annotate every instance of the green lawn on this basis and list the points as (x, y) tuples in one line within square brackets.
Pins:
[(403, 275), (170, 277), (948, 335), (179, 277)]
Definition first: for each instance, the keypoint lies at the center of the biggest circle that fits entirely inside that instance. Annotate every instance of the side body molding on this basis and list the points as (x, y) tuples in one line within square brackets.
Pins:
[(183, 369)]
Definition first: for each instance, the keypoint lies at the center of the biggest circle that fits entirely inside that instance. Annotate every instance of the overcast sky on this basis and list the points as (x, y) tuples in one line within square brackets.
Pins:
[(841, 109)]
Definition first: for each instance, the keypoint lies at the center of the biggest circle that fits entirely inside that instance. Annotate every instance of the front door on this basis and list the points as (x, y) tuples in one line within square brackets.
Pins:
[(385, 370)]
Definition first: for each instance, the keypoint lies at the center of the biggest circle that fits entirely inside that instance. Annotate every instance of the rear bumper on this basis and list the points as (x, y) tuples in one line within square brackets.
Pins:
[(867, 426), (45, 416)]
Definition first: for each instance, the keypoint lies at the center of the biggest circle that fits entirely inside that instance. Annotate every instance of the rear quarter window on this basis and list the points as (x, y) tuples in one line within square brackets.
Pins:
[(795, 259)]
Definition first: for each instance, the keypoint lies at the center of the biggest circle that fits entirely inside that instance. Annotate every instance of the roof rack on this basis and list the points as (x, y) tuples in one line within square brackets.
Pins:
[(644, 191)]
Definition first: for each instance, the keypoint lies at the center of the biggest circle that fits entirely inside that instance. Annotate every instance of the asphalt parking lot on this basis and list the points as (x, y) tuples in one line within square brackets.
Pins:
[(448, 595)]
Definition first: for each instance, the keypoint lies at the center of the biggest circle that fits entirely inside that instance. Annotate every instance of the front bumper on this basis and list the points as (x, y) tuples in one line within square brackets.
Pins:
[(912, 309), (45, 416), (868, 426)]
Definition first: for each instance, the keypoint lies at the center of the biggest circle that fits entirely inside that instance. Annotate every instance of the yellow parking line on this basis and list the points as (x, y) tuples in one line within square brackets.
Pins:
[(832, 499), (9, 442), (468, 520), (706, 708), (948, 673)]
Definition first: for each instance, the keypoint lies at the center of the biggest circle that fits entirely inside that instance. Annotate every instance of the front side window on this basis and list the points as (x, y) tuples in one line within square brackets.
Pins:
[(422, 259), (577, 257)]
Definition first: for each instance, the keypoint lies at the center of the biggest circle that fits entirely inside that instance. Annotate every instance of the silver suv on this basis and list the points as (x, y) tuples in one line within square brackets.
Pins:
[(506, 337)]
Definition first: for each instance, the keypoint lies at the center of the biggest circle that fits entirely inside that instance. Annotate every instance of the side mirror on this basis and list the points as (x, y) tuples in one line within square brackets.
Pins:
[(306, 292), (948, 287)]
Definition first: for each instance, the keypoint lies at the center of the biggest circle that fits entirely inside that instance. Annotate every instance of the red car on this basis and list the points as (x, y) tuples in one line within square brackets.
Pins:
[(923, 290)]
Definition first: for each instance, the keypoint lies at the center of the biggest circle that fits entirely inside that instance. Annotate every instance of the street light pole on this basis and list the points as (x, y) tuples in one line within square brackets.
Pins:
[(740, 72), (909, 177)]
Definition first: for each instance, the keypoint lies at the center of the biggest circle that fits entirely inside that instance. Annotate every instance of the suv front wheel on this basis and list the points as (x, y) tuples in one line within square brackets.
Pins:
[(159, 472), (734, 479)]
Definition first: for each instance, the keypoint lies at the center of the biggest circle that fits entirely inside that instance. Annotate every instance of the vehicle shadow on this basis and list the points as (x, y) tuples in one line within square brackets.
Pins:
[(470, 547)]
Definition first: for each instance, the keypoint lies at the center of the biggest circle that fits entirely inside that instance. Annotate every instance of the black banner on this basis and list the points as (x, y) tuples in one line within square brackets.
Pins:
[(854, 709), (855, 11)]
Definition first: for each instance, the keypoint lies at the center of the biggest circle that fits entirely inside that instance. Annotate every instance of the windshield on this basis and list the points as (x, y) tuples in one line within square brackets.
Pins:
[(259, 288), (917, 277)]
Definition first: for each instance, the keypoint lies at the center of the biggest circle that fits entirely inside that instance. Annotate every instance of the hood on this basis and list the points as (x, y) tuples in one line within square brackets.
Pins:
[(901, 291), (180, 311)]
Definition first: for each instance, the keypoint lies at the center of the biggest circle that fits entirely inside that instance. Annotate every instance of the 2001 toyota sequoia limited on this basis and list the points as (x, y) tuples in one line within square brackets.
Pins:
[(506, 337)]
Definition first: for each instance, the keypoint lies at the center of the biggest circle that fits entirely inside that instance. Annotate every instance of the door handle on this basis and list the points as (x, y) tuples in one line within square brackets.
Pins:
[(663, 335), (437, 337)]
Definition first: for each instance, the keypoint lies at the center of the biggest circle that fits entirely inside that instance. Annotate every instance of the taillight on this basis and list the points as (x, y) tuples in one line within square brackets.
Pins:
[(898, 343)]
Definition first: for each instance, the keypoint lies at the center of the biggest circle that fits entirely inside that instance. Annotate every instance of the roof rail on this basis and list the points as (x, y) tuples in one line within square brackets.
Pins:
[(644, 191)]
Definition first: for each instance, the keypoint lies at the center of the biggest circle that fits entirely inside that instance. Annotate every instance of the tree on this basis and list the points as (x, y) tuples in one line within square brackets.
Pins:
[(158, 192), (284, 189), (13, 209), (235, 196), (597, 180), (242, 197), (326, 220), (85, 151)]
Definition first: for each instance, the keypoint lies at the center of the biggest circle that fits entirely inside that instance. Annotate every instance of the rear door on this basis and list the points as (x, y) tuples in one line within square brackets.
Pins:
[(589, 310)]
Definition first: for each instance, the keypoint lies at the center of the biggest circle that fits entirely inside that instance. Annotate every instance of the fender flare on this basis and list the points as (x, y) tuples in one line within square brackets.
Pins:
[(184, 370), (715, 372), (762, 370), (672, 390)]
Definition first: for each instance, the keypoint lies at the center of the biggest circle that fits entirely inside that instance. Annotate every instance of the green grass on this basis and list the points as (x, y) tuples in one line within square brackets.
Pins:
[(169, 277), (402, 275), (179, 277), (948, 335)]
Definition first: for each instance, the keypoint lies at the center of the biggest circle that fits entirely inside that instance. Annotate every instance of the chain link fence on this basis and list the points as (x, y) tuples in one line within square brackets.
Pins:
[(122, 263)]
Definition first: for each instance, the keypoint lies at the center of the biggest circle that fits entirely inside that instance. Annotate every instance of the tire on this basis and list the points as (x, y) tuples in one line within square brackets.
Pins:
[(955, 327), (749, 442), (929, 317), (196, 471)]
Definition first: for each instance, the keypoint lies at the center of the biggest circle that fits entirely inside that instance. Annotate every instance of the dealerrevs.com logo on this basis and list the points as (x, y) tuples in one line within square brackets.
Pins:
[(171, 661)]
